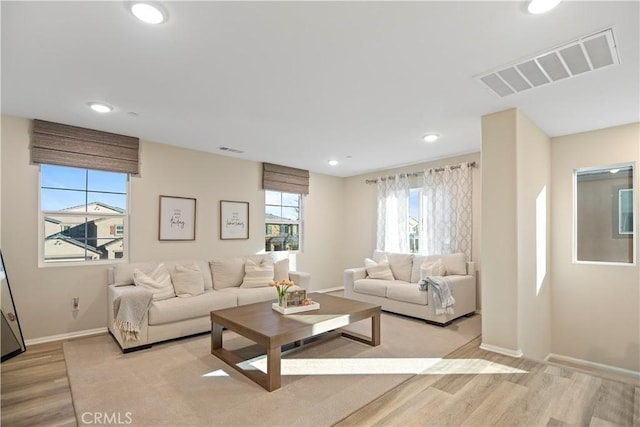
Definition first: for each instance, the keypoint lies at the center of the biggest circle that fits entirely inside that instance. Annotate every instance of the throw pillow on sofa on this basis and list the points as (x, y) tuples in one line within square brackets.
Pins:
[(378, 270), (187, 280), (227, 272), (257, 275), (157, 281), (432, 268)]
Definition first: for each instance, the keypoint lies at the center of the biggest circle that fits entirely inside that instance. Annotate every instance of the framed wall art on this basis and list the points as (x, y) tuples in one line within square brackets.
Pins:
[(177, 218), (234, 220)]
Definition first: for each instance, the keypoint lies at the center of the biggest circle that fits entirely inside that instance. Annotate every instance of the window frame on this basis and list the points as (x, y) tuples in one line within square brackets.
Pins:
[(42, 214), (299, 221), (574, 225)]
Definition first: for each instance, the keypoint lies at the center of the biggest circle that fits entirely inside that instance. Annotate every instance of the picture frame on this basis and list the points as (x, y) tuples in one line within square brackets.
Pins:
[(234, 220), (177, 218)]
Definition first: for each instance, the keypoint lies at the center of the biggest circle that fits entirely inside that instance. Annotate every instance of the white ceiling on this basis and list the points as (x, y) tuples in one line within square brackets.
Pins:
[(299, 83)]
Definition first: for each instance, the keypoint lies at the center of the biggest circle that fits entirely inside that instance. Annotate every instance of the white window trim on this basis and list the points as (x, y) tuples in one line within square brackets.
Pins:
[(42, 214), (574, 225)]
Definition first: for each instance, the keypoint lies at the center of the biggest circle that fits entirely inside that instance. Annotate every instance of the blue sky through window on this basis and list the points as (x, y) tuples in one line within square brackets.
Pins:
[(65, 187)]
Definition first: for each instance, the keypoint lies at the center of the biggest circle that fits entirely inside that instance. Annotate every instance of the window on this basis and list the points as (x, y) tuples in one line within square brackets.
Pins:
[(415, 219), (604, 214), (83, 214), (283, 221)]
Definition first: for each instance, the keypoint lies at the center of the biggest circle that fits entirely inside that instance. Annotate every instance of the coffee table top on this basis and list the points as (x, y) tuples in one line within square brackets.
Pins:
[(259, 322)]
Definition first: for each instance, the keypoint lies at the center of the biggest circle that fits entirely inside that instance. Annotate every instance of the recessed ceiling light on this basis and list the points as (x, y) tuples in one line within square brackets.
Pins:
[(100, 107), (541, 6), (149, 12), (432, 137), (333, 162)]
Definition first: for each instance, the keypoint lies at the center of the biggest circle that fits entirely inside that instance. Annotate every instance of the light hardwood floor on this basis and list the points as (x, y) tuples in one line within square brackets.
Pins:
[(540, 395), (35, 392), (35, 388)]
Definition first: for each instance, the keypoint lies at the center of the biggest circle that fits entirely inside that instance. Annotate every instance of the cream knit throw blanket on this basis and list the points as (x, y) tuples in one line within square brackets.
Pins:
[(129, 310)]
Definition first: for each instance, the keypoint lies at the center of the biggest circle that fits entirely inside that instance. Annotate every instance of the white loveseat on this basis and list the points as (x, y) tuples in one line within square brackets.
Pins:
[(178, 316), (401, 293)]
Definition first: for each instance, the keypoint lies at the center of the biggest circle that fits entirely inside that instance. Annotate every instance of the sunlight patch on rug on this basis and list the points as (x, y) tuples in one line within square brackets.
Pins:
[(382, 366)]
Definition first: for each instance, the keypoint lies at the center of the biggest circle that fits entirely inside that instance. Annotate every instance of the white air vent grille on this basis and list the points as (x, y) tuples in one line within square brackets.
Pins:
[(230, 150), (588, 53)]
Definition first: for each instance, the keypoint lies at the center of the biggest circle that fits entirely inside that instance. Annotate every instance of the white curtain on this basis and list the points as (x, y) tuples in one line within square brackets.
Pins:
[(447, 214), (393, 209)]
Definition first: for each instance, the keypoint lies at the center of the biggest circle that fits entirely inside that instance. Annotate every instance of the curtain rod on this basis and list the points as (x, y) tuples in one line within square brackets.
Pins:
[(458, 166)]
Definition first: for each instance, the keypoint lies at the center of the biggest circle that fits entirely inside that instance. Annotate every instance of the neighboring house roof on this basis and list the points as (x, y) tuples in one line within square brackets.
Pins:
[(72, 241), (89, 206)]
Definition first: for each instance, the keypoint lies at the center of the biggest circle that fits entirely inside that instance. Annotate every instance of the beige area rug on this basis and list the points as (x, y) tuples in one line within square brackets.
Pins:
[(179, 383)]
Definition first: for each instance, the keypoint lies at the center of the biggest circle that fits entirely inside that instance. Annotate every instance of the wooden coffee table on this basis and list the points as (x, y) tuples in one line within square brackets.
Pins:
[(265, 326)]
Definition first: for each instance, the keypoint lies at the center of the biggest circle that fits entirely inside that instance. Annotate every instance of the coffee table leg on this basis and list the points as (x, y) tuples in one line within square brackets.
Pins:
[(216, 336), (273, 367), (375, 329)]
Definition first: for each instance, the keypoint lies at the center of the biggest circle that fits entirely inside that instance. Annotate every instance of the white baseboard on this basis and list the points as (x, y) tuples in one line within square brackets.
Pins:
[(501, 350), (70, 335), (589, 364), (324, 291)]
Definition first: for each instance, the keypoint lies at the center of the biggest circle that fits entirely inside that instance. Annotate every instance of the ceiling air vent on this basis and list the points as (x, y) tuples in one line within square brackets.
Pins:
[(230, 150), (586, 54)]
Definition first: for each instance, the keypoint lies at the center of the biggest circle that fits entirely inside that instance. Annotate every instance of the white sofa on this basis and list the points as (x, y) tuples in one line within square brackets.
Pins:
[(402, 295), (175, 316)]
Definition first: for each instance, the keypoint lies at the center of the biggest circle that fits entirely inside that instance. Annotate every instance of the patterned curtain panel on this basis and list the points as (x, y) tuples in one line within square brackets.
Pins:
[(448, 211), (393, 208)]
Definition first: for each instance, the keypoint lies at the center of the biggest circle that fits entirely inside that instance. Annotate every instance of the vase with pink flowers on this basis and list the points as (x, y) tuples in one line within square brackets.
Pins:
[(282, 286)]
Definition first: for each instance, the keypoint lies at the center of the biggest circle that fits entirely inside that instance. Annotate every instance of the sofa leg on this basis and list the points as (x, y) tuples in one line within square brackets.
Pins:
[(130, 349)]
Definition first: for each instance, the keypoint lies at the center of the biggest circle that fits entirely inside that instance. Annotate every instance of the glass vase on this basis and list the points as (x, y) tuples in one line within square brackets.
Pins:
[(282, 300)]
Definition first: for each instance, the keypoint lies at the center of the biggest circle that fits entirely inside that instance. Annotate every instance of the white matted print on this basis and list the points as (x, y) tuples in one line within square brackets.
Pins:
[(234, 220), (177, 218)]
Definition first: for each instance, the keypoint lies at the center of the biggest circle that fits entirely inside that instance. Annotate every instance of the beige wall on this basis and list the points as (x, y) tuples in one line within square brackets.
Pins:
[(43, 295), (360, 211), (515, 240), (534, 235), (595, 308), (499, 243)]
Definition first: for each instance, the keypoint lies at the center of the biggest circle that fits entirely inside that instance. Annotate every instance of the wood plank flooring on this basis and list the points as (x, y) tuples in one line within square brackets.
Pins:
[(497, 390), (35, 388), (464, 391)]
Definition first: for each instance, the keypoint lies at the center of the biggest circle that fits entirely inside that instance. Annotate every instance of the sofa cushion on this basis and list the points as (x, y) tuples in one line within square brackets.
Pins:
[(401, 264), (252, 295), (187, 280), (257, 275), (454, 264), (281, 270), (123, 273), (432, 268), (408, 292), (375, 287), (178, 309), (157, 281), (378, 270), (227, 272)]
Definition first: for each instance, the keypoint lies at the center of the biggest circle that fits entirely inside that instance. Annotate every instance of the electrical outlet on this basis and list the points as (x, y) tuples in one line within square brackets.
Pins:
[(75, 304)]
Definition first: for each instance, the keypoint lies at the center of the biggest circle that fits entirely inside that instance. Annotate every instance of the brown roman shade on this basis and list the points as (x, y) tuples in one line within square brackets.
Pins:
[(65, 145), (283, 178)]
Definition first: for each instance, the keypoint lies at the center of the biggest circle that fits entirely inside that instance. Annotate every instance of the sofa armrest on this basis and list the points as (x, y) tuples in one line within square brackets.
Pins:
[(121, 291), (471, 268), (353, 274), (301, 279)]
